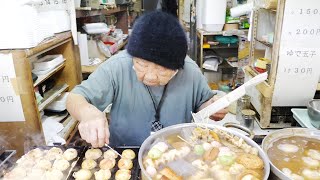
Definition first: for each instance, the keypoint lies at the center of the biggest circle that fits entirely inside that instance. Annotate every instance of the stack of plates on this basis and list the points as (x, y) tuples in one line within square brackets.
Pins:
[(59, 104), (46, 64)]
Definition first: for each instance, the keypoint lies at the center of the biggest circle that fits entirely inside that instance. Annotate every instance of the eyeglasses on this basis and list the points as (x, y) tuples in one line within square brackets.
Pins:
[(145, 68)]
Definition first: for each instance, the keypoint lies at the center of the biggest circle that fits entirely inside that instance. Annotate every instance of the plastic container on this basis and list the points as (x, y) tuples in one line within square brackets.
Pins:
[(47, 62), (96, 28)]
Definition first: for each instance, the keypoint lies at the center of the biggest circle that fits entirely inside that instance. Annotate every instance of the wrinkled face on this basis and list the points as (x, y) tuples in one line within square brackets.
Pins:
[(152, 74)]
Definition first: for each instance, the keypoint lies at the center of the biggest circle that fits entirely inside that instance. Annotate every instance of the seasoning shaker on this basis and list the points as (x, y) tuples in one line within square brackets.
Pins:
[(242, 103), (248, 117)]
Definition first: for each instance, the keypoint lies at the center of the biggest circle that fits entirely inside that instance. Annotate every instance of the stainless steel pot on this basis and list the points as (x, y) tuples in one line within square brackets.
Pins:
[(283, 133), (177, 129)]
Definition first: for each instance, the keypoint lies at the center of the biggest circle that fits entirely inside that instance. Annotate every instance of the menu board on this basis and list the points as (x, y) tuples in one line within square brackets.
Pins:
[(68, 6), (10, 103), (299, 54)]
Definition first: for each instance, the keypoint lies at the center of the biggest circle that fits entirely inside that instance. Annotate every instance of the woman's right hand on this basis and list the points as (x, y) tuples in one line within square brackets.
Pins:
[(94, 127)]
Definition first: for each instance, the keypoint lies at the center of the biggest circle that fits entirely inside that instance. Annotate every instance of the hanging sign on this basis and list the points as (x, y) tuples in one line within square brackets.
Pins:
[(299, 54)]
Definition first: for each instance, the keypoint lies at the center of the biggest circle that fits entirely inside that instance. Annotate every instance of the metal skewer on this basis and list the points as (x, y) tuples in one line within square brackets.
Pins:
[(113, 150), (71, 168)]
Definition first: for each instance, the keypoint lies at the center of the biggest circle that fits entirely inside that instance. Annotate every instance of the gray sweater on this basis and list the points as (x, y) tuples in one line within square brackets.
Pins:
[(132, 112)]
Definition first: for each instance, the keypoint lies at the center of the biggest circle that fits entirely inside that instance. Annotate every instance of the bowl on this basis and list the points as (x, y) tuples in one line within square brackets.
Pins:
[(174, 129), (314, 112)]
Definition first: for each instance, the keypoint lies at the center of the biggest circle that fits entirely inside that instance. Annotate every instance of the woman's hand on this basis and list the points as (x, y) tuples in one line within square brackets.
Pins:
[(218, 115), (93, 125)]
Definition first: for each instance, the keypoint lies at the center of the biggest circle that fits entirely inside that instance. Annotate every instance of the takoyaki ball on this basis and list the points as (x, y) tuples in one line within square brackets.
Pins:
[(128, 154), (26, 163), (102, 174), (93, 154), (36, 173), (82, 174), (123, 174), (44, 164), (88, 164), (70, 154), (54, 174), (16, 173), (53, 153), (110, 154), (35, 153), (61, 164), (125, 164), (107, 163)]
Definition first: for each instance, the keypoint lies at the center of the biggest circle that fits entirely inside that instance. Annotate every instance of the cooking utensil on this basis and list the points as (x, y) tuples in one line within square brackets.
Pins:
[(113, 150), (134, 171), (314, 112), (203, 115), (238, 126), (283, 133), (176, 129), (73, 164)]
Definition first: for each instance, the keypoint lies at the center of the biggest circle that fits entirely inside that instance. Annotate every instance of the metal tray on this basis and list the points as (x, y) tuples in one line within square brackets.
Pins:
[(5, 161), (135, 171), (66, 173)]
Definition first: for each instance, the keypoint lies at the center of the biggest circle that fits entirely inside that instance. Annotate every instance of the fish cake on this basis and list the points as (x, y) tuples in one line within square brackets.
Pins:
[(250, 161)]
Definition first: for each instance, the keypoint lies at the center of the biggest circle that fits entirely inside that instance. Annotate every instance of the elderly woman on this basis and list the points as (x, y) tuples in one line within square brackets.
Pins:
[(151, 85)]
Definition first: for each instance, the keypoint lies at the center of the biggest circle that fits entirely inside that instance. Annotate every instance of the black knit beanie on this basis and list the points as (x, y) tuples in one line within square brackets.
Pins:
[(158, 37)]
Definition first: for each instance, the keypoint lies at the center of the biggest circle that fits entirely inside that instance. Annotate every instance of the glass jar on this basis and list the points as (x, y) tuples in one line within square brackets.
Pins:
[(242, 103), (248, 117)]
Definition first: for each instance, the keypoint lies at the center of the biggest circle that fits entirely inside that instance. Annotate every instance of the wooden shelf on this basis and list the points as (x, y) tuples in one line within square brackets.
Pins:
[(46, 45), (69, 126), (223, 46), (91, 69), (80, 13), (44, 77), (264, 43), (270, 10), (264, 88), (51, 95)]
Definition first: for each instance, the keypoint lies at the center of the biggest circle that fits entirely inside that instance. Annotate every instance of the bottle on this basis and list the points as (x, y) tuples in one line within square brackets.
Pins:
[(248, 117)]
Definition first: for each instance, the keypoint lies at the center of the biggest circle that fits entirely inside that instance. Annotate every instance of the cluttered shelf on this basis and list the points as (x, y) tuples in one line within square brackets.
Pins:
[(44, 77), (51, 95), (222, 46), (91, 69), (84, 12), (264, 88), (69, 127), (207, 33), (264, 43)]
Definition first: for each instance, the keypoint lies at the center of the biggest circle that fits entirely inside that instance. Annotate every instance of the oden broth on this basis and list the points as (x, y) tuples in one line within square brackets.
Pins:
[(284, 155)]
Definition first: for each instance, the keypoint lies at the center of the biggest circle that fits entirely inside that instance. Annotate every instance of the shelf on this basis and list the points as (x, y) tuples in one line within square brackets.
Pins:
[(69, 126), (51, 95), (270, 10), (84, 12), (207, 33), (44, 77), (264, 88), (91, 69), (264, 43), (46, 45), (224, 46)]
